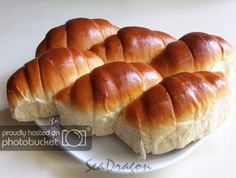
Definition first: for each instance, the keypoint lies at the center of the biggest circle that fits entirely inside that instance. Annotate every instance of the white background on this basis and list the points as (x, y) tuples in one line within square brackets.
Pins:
[(23, 25)]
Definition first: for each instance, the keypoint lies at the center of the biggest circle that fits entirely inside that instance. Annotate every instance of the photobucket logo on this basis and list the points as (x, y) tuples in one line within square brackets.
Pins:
[(8, 142), (47, 137), (80, 136), (13, 138)]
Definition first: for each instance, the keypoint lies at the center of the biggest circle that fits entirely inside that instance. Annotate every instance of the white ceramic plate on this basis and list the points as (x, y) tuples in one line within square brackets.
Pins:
[(110, 154)]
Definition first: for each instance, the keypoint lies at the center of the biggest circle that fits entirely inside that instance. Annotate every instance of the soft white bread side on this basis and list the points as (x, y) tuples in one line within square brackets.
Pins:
[(181, 109), (96, 98)]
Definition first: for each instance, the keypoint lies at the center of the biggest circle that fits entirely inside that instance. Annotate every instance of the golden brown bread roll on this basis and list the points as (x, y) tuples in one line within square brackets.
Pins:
[(195, 52), (181, 109), (132, 44), (30, 89), (96, 98), (79, 33)]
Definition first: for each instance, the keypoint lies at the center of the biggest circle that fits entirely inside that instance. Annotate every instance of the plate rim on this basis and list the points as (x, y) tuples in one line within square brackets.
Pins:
[(184, 152)]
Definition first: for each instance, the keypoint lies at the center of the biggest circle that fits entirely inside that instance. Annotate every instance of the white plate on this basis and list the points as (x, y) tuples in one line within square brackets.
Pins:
[(110, 154)]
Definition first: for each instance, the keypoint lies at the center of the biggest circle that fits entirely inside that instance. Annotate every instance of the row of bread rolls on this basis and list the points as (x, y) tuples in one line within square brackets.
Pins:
[(76, 84), (59, 63)]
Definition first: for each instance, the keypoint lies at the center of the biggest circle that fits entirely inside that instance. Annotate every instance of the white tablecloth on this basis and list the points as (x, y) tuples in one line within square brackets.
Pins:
[(23, 24)]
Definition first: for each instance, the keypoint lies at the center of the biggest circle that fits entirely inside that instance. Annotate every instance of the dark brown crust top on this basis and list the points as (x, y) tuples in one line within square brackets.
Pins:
[(108, 88), (193, 52), (132, 44), (79, 33), (176, 99), (43, 77)]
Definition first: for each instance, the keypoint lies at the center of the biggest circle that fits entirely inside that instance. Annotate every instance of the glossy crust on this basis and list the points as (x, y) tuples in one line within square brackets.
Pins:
[(39, 80), (181, 109), (30, 89), (132, 44), (79, 33), (97, 97), (195, 52)]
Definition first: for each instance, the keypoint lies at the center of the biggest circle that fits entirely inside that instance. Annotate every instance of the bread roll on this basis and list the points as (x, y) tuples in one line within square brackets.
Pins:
[(96, 98), (132, 44), (31, 88), (181, 109), (79, 33), (196, 52)]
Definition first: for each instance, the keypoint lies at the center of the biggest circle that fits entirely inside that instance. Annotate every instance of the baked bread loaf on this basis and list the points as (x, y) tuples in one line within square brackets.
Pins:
[(195, 52), (30, 89), (96, 98), (132, 44), (79, 33), (181, 109)]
